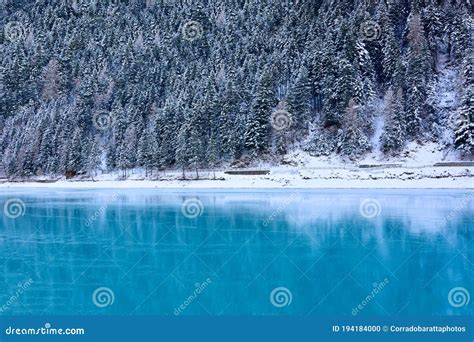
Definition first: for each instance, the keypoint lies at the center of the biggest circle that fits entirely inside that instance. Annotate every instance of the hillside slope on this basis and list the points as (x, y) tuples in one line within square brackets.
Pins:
[(113, 86)]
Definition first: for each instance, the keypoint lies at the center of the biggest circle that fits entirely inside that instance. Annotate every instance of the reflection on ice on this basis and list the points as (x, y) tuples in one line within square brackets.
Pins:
[(319, 244)]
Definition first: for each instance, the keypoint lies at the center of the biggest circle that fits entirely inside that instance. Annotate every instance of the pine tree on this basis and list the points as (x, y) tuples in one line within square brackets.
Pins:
[(458, 28), (211, 155), (46, 148), (464, 130), (281, 148), (394, 131), (418, 76), (144, 152), (338, 91), (391, 55), (354, 142), (182, 149), (464, 133), (94, 160), (228, 118), (130, 145), (196, 151), (74, 157), (258, 127), (299, 99)]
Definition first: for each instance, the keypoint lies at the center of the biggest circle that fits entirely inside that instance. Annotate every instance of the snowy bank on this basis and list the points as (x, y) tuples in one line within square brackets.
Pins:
[(415, 170), (289, 177)]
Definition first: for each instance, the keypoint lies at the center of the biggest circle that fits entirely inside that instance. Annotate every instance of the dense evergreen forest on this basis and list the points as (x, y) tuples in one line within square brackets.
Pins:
[(157, 84)]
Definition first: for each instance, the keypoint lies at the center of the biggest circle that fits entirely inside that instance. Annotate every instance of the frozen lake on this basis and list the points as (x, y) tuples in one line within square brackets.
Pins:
[(262, 252)]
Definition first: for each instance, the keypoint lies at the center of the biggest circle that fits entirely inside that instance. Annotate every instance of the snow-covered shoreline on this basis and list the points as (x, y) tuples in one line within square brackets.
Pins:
[(440, 178), (302, 171), (340, 184)]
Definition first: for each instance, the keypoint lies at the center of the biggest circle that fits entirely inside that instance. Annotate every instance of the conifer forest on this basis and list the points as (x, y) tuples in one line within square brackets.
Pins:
[(110, 85)]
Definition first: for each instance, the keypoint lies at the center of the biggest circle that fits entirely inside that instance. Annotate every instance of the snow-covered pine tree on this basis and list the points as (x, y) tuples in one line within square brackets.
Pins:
[(74, 163), (464, 133), (145, 152), (464, 130), (129, 148), (417, 78), (393, 136), (258, 127), (46, 147), (391, 54), (281, 144), (94, 159), (183, 155), (212, 154), (228, 120), (127, 63), (458, 26), (196, 150), (299, 99), (354, 142)]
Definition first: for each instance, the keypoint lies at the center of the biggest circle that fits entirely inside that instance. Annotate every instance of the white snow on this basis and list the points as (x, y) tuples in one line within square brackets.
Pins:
[(259, 182), (375, 139), (300, 170), (303, 171)]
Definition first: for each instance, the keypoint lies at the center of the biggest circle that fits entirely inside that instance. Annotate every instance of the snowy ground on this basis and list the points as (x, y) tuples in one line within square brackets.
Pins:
[(416, 170)]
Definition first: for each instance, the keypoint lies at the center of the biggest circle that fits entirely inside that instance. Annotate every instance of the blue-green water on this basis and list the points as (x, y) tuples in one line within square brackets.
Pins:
[(384, 252)]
